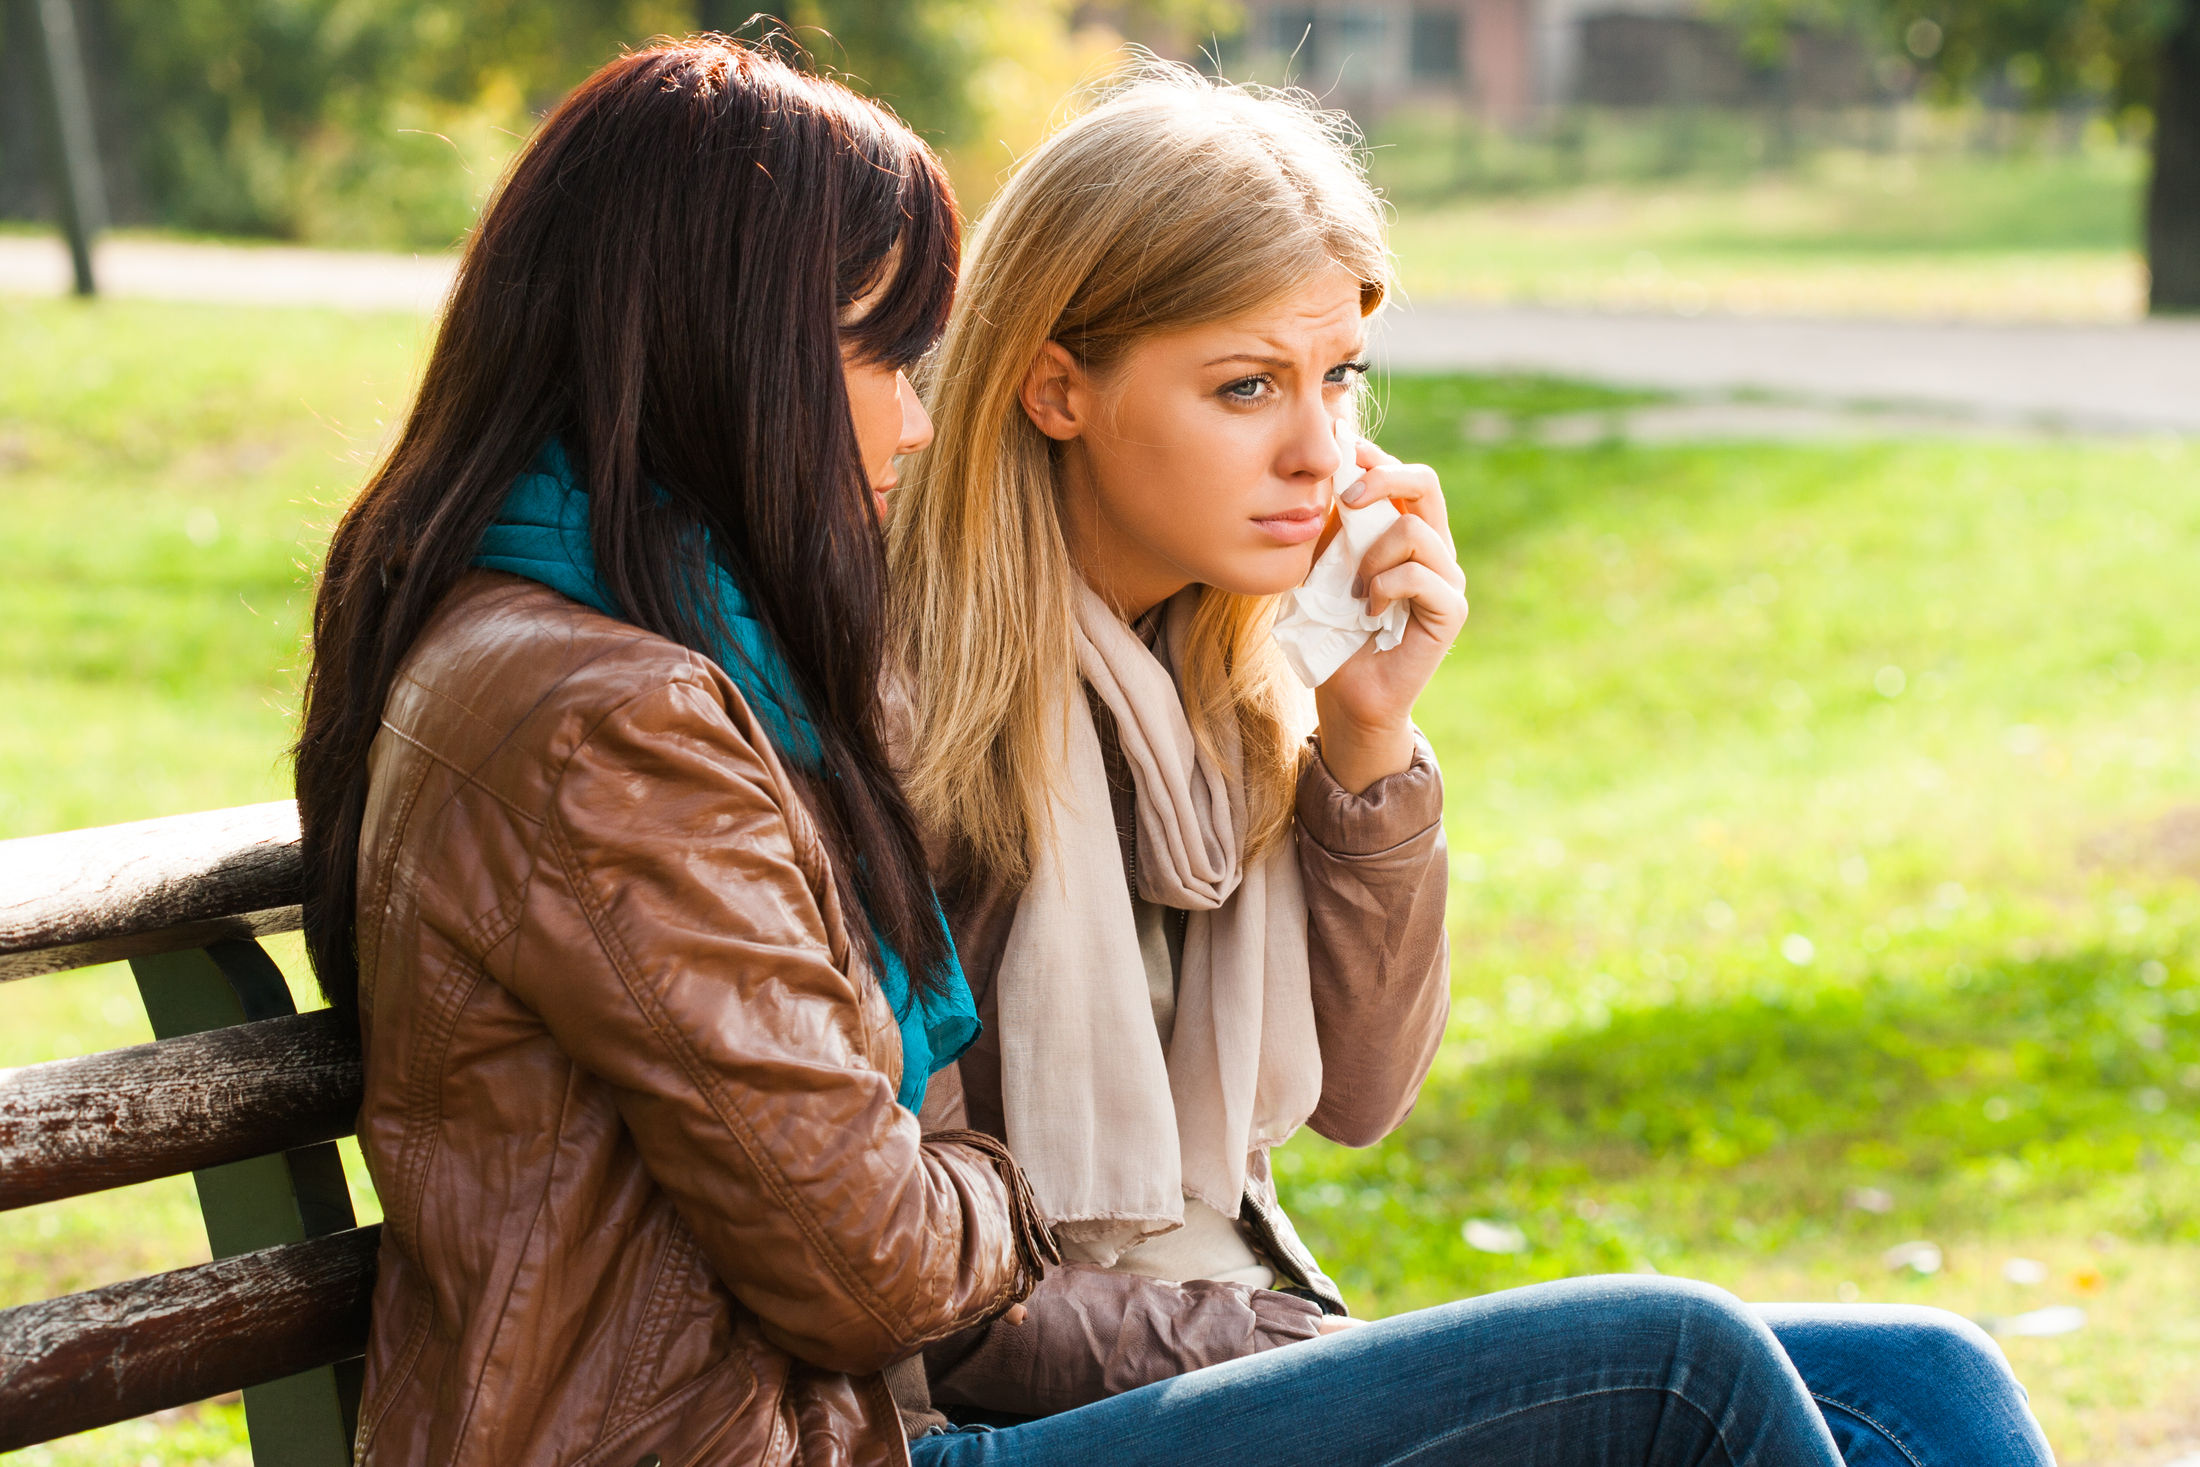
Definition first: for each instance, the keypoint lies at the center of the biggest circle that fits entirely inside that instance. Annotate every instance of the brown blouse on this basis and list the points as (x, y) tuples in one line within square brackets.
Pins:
[(1374, 870)]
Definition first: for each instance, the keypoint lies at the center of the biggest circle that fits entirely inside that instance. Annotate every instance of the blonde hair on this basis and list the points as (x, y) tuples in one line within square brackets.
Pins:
[(1174, 201)]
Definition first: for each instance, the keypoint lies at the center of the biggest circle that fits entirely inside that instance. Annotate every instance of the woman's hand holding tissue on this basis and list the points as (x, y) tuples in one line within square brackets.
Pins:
[(1366, 706)]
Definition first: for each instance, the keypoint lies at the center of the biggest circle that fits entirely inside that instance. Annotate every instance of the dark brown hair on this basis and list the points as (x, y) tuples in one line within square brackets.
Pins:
[(659, 284)]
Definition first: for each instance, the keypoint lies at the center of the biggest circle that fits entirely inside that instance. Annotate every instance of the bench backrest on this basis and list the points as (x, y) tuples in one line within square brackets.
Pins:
[(239, 1089)]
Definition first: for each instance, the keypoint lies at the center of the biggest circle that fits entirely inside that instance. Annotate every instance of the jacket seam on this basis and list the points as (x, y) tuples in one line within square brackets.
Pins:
[(429, 690), (422, 1105), (641, 1346), (642, 1420), (1419, 836), (468, 778), (424, 1113), (502, 1308), (612, 635), (1317, 769), (408, 1356), (446, 1009), (386, 878), (688, 671), (416, 1340), (881, 1395)]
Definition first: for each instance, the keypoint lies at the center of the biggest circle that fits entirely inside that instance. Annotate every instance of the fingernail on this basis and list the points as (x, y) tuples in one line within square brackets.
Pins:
[(1359, 586)]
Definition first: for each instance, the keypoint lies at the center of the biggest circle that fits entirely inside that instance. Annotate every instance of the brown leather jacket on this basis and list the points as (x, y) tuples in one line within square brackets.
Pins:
[(630, 1096), (1375, 873)]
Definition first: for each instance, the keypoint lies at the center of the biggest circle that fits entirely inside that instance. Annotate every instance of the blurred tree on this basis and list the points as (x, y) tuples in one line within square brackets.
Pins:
[(2126, 54), (333, 118), (385, 122), (2131, 56), (2173, 195)]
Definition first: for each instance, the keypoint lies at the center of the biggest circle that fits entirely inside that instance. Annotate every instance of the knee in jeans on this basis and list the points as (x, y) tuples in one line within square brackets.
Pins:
[(1687, 1308), (1709, 1307), (1945, 1345), (1696, 1299)]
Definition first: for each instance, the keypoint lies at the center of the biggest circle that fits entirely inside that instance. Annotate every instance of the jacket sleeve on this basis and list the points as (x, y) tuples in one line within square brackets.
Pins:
[(674, 944), (1088, 1334), (1375, 872)]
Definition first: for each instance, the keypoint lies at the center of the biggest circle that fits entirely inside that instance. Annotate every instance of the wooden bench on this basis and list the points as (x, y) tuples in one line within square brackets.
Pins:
[(239, 1089)]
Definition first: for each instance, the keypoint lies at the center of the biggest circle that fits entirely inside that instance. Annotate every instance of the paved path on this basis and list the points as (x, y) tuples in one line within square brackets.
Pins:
[(2136, 378), (266, 275)]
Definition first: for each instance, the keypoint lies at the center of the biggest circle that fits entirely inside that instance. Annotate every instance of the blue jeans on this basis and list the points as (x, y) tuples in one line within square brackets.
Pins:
[(1904, 1386), (1650, 1372)]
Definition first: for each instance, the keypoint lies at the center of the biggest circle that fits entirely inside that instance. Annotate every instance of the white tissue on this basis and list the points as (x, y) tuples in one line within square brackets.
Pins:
[(1322, 623)]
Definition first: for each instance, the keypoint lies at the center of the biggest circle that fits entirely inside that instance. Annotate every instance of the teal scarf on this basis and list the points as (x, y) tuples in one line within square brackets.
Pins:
[(542, 533)]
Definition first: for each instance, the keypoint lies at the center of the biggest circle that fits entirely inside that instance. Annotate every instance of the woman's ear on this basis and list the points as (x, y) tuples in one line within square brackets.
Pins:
[(1053, 393)]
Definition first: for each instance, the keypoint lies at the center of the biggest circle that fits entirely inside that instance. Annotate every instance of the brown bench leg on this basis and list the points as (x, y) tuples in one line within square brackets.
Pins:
[(308, 1419)]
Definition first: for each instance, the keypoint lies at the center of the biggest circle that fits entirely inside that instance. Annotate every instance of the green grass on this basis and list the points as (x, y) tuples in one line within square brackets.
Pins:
[(166, 477), (1672, 742), (1913, 234), (1744, 918), (168, 473)]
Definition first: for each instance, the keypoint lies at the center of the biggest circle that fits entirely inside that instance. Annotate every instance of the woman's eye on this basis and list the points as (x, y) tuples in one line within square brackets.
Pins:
[(1245, 389), (1345, 372)]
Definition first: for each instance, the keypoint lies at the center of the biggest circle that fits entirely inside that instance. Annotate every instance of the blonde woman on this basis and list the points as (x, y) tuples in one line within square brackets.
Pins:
[(1199, 909)]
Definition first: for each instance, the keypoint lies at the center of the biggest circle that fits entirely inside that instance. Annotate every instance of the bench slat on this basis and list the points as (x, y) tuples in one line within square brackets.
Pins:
[(153, 1110), (84, 1360), (120, 891)]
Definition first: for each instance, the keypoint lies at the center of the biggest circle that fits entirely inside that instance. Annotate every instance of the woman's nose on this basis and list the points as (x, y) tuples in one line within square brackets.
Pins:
[(1312, 450), (916, 423)]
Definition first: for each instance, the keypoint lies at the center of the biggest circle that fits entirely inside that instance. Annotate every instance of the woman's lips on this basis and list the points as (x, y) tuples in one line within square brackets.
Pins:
[(1293, 526)]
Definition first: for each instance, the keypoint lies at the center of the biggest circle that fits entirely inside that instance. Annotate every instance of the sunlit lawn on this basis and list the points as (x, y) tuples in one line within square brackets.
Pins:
[(1843, 233), (1823, 821), (165, 473), (1814, 814)]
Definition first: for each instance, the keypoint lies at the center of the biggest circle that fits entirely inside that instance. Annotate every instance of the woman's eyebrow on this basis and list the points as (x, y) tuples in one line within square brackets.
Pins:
[(1358, 350)]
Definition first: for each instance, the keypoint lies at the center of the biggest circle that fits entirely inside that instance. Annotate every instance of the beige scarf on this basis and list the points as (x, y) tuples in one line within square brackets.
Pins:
[(1113, 1132)]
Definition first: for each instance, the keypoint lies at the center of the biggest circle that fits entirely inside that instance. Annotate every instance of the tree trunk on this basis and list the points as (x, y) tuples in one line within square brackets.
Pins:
[(2173, 198), (78, 188)]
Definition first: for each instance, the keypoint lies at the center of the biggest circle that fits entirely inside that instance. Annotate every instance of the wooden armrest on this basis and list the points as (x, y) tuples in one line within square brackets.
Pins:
[(96, 896)]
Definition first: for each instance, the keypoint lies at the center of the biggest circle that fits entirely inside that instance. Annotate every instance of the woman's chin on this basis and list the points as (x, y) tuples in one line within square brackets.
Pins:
[(1264, 573)]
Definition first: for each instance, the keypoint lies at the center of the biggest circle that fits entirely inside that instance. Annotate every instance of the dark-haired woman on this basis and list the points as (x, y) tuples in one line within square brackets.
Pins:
[(602, 845)]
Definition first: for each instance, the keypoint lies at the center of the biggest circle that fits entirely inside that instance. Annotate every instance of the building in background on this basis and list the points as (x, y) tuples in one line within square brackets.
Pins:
[(1509, 60), (1368, 55)]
